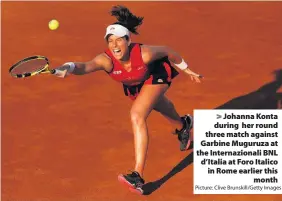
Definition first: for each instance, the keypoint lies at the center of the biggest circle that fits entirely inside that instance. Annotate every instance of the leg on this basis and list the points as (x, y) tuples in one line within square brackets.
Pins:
[(142, 107), (167, 109), (183, 124)]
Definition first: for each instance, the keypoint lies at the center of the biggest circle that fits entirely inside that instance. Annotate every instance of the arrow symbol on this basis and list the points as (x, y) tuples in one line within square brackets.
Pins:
[(218, 116)]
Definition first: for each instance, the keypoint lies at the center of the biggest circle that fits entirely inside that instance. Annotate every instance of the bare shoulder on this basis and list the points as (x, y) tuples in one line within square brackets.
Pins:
[(146, 53), (102, 60), (152, 52)]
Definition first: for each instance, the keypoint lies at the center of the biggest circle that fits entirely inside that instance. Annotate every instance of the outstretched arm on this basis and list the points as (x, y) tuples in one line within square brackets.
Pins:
[(100, 62), (152, 53)]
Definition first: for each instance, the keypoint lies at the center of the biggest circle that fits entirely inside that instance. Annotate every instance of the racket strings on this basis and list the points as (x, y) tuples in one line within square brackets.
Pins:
[(29, 66)]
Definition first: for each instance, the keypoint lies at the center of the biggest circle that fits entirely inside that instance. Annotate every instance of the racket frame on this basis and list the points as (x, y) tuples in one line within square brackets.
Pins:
[(44, 69)]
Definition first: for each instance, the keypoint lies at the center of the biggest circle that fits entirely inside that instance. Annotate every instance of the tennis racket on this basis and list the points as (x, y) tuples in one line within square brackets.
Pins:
[(30, 66)]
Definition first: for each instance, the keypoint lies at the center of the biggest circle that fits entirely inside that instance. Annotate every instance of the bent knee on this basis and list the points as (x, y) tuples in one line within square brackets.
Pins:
[(167, 105), (137, 117)]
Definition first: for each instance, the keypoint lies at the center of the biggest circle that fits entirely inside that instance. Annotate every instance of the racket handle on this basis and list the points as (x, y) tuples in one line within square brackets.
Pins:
[(53, 71)]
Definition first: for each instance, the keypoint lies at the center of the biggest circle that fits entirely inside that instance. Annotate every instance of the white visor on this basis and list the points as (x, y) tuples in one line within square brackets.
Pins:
[(117, 30)]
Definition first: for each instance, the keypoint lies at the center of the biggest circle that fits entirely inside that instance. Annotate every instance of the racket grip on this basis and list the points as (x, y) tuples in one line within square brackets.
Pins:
[(53, 71)]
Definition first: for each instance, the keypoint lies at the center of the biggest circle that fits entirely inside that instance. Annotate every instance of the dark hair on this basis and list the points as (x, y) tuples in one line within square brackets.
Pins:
[(126, 18)]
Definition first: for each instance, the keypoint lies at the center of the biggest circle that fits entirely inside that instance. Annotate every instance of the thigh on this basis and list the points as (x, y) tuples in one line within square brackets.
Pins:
[(148, 97)]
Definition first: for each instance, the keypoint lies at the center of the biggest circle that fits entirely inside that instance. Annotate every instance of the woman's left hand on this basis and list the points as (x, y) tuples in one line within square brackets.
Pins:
[(194, 76)]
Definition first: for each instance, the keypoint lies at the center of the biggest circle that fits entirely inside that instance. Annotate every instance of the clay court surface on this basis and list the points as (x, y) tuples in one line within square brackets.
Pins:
[(68, 139)]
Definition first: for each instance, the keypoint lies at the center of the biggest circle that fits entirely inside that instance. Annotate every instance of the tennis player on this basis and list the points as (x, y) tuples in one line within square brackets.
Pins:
[(146, 73)]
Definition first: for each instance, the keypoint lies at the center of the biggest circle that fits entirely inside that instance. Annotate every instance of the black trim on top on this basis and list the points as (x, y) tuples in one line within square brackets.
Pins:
[(111, 61)]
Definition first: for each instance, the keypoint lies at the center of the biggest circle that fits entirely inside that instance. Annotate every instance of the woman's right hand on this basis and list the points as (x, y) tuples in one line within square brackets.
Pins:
[(62, 71)]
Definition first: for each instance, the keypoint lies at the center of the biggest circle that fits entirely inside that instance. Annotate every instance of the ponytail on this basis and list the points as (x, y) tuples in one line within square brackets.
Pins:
[(126, 18)]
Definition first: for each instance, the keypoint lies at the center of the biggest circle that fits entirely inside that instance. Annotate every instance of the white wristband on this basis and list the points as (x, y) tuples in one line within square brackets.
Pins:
[(72, 66), (182, 66)]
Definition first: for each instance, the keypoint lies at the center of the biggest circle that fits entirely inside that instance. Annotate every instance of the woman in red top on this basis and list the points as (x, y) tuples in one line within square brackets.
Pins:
[(146, 74)]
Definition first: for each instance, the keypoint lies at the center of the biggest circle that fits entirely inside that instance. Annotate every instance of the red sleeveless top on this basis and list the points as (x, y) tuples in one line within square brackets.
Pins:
[(139, 71)]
